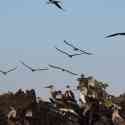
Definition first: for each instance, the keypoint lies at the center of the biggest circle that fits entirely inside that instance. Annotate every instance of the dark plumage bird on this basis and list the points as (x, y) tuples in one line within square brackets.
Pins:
[(115, 34), (56, 3), (6, 72), (77, 49), (49, 86), (62, 69), (69, 55), (32, 69)]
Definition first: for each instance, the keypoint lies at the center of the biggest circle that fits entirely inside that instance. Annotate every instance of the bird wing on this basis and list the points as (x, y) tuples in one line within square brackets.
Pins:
[(69, 44), (56, 67), (121, 33), (49, 86), (115, 34), (62, 51), (70, 72), (58, 5), (1, 71), (12, 69), (77, 54), (41, 69), (84, 52), (26, 65)]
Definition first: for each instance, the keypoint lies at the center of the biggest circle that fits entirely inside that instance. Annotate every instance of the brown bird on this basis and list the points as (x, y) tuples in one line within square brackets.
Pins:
[(77, 49), (32, 69), (115, 34), (69, 55), (6, 72), (62, 69)]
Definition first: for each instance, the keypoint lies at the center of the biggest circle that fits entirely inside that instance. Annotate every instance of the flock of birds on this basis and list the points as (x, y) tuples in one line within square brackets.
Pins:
[(81, 52), (50, 65), (76, 49)]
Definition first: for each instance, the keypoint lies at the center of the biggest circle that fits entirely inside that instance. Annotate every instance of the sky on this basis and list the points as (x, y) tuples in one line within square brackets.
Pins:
[(29, 30)]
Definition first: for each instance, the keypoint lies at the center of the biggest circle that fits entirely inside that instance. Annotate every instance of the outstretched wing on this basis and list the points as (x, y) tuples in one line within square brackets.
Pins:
[(26, 65), (41, 69), (115, 34), (1, 71), (71, 45), (77, 49), (49, 86), (70, 72), (12, 69), (84, 52), (77, 54), (62, 51), (58, 5), (56, 67)]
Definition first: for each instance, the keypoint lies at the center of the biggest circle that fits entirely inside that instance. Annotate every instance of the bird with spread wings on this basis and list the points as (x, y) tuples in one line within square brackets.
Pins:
[(32, 69), (62, 69), (69, 55), (77, 49), (56, 3), (6, 72)]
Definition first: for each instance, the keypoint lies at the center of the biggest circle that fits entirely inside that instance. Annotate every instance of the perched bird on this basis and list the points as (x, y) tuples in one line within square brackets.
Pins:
[(77, 49), (56, 3), (115, 34), (69, 55), (62, 69), (6, 72), (32, 69)]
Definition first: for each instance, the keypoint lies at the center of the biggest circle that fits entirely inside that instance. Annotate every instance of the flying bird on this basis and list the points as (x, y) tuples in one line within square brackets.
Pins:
[(32, 69), (69, 55), (77, 49), (115, 34), (62, 69), (49, 86), (6, 72), (56, 3)]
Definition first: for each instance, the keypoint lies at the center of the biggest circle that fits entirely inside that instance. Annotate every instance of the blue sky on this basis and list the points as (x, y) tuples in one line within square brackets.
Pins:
[(29, 30)]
